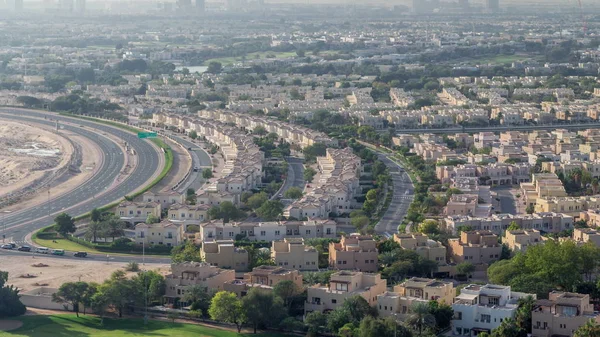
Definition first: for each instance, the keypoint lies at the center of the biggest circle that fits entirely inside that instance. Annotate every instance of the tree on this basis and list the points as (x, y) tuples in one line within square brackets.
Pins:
[(589, 329), (187, 252), (523, 316), (207, 173), (190, 196), (429, 227), (193, 134), (64, 224), (372, 194), (513, 226), (96, 215), (94, 230), (300, 53), (257, 200), (226, 211), (315, 321), (260, 130), (262, 308), (173, 315), (287, 291), (360, 222), (507, 328), (71, 293), (309, 174), (10, 304), (29, 101), (388, 327), (117, 292), (270, 210), (465, 268), (293, 193), (420, 317), (151, 218), (198, 297), (214, 68), (114, 227)]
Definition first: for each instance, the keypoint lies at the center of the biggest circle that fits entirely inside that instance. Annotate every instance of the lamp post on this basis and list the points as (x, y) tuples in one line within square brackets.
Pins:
[(4, 224)]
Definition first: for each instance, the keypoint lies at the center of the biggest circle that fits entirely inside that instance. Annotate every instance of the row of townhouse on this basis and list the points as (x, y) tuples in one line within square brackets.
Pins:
[(492, 173), (243, 167), (498, 223), (290, 253), (293, 134), (268, 231), (335, 188)]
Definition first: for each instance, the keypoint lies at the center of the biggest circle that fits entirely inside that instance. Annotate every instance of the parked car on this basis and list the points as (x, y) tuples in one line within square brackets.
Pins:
[(6, 246), (24, 249), (80, 254), (59, 252), (42, 250)]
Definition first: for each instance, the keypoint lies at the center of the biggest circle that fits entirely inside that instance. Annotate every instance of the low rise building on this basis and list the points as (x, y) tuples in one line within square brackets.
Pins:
[(343, 285), (422, 245), (585, 235), (398, 303), (293, 253), (561, 314), (354, 252), (136, 212), (188, 274), (519, 240), (476, 247), (162, 233), (224, 254), (272, 275), (483, 308)]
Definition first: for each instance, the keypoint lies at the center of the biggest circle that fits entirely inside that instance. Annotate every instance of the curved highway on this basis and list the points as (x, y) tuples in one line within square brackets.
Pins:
[(83, 198)]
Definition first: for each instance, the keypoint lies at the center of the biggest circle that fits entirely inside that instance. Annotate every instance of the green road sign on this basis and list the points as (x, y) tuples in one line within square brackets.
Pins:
[(143, 135)]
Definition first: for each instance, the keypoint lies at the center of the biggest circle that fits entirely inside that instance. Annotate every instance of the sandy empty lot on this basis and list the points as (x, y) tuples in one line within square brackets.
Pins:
[(26, 152), (61, 270)]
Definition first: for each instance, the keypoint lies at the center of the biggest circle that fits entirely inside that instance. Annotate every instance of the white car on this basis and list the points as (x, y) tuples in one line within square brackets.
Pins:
[(42, 250)]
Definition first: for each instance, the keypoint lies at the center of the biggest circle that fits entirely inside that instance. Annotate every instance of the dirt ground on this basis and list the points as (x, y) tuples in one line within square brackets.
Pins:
[(26, 152), (60, 270)]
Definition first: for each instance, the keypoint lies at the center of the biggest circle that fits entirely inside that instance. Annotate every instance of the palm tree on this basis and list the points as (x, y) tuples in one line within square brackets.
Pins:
[(94, 230), (595, 185), (420, 317)]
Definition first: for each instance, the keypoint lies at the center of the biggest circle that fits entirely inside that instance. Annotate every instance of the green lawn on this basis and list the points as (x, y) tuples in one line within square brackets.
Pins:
[(64, 244), (502, 59), (87, 326)]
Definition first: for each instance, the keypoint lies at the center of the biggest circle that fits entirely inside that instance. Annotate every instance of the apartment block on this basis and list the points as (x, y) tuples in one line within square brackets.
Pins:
[(343, 285), (224, 254), (483, 308), (293, 253), (268, 231), (422, 245), (398, 303), (561, 314), (519, 240), (354, 252), (187, 274), (498, 223), (476, 247)]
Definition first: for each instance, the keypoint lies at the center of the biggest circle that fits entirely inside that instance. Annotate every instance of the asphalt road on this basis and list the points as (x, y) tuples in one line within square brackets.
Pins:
[(200, 159), (101, 258), (83, 198), (508, 204), (295, 177), (403, 194)]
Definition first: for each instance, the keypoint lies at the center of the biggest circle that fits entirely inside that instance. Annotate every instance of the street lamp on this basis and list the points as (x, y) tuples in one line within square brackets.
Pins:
[(4, 223)]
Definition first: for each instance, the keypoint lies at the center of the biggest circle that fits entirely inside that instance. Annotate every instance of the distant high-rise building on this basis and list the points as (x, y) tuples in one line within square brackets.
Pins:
[(18, 5), (66, 5), (492, 5), (80, 6), (184, 4), (201, 6)]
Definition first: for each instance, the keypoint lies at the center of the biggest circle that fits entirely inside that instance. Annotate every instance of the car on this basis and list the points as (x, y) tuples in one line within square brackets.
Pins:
[(59, 252), (80, 254), (189, 148), (42, 250), (13, 244), (6, 246), (24, 249)]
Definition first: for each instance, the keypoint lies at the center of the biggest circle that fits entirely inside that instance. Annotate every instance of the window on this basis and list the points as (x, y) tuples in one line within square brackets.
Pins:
[(263, 233), (333, 300), (485, 318), (493, 300), (277, 233), (341, 286)]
